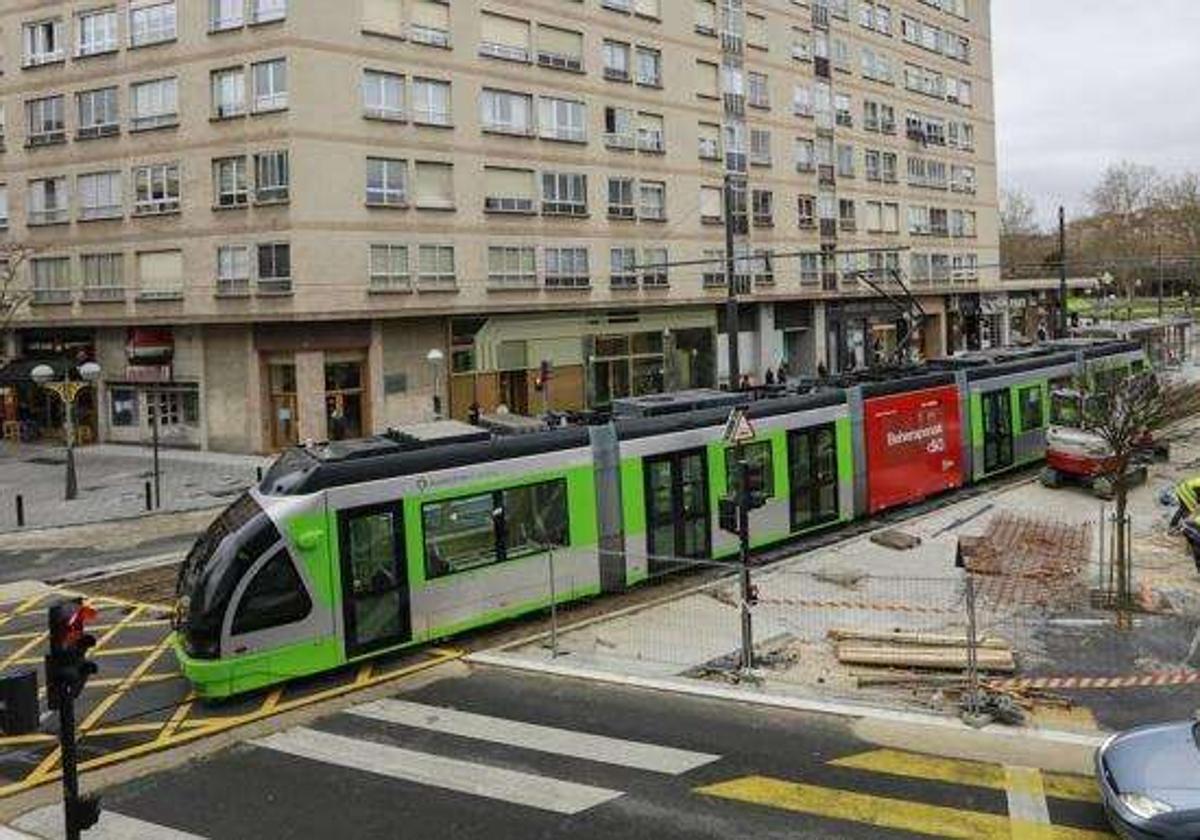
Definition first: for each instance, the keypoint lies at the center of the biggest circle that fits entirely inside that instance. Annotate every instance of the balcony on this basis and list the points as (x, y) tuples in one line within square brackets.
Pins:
[(505, 52), (733, 43), (274, 286), (616, 74), (735, 104), (46, 138), (622, 211), (507, 204), (103, 294), (93, 132), (51, 216), (623, 281), (821, 68), (651, 141), (560, 61), (51, 296), (233, 287), (848, 225), (620, 141), (825, 175), (829, 228), (429, 35)]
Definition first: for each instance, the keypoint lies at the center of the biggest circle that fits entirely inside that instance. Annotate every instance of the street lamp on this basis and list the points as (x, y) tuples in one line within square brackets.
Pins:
[(67, 391), (435, 357)]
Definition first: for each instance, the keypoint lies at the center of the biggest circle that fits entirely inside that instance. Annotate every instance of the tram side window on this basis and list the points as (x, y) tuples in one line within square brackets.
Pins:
[(475, 531), (1032, 415), (756, 454), (275, 597)]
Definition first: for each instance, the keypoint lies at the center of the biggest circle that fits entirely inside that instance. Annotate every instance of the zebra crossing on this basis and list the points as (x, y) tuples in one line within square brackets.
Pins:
[(475, 778)]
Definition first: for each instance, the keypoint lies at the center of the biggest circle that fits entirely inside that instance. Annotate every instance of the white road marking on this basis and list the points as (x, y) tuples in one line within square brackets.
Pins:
[(638, 755), (511, 786), (1026, 799), (47, 823)]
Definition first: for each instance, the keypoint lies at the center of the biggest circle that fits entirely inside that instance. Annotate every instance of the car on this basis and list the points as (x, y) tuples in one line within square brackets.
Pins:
[(1149, 778)]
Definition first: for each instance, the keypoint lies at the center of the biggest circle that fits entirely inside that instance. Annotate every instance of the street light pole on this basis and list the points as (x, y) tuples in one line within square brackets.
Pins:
[(731, 303), (1062, 272), (435, 357), (67, 391)]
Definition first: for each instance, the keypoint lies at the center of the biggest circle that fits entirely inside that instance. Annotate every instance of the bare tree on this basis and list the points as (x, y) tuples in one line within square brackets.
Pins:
[(14, 291), (1018, 214), (1178, 209), (1023, 243), (1126, 414)]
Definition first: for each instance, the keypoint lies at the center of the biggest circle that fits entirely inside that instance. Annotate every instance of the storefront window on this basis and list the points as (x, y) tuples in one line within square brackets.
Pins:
[(124, 407), (344, 399)]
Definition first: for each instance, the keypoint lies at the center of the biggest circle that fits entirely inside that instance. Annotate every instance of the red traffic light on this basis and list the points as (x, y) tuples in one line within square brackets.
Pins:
[(68, 623)]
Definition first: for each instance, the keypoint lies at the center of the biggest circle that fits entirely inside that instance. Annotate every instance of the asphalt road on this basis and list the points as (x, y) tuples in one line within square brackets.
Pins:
[(458, 759)]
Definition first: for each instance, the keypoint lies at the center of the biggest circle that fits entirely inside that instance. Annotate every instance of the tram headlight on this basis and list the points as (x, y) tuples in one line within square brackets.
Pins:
[(183, 606)]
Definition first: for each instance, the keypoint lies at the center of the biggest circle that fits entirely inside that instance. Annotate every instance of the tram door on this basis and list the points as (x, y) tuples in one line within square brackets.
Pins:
[(374, 578), (678, 524), (997, 431)]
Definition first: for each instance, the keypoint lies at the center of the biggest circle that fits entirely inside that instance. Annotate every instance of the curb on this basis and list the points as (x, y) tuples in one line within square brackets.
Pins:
[(848, 709)]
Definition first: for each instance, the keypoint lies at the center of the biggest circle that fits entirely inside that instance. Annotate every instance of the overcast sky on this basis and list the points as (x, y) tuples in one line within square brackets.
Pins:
[(1081, 84)]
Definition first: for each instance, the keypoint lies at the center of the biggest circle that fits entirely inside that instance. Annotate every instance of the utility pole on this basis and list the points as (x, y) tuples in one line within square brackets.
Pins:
[(747, 594), (731, 302), (1062, 272), (1160, 282)]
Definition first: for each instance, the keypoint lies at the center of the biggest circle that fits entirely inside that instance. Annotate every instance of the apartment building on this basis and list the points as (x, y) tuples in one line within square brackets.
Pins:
[(273, 220)]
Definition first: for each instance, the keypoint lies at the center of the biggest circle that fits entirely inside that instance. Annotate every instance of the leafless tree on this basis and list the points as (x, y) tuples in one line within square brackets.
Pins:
[(1127, 413), (15, 292)]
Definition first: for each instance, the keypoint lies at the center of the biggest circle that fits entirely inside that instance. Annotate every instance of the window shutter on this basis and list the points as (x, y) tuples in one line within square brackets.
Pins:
[(160, 272), (431, 13), (560, 41), (506, 31), (434, 184), (509, 183), (384, 16), (710, 202)]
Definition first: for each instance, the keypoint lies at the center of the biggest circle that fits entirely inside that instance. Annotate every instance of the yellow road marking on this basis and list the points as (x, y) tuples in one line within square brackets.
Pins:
[(16, 656), (21, 609), (958, 772), (23, 740), (102, 654), (272, 699), (885, 812), (176, 720)]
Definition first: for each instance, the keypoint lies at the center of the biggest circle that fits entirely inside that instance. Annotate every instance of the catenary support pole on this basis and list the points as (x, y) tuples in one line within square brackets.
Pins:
[(743, 467), (731, 302), (1062, 272)]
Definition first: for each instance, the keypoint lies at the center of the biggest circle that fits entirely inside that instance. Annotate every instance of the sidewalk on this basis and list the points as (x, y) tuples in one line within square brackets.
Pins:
[(112, 482)]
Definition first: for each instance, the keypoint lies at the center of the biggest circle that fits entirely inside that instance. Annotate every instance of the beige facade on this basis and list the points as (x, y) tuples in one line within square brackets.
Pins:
[(389, 166)]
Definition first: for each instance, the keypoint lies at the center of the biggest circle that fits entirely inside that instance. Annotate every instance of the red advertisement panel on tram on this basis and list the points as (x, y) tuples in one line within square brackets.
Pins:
[(914, 446)]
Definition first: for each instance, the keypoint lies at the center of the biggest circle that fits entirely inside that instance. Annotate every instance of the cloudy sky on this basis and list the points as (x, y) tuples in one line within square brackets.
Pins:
[(1081, 84)]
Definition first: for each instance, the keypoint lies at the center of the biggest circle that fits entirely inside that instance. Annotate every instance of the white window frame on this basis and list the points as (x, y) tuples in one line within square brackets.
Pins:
[(389, 274), (96, 32), (393, 182), (112, 189), (269, 80), (158, 200), (153, 23), (380, 89)]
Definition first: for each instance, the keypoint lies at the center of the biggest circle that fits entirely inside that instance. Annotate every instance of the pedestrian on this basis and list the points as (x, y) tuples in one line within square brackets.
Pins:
[(744, 385), (769, 379), (782, 375), (822, 371)]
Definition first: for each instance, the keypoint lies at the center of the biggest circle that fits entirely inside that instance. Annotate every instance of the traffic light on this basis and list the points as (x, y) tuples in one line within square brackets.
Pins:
[(727, 515), (67, 665), (543, 377), (756, 485)]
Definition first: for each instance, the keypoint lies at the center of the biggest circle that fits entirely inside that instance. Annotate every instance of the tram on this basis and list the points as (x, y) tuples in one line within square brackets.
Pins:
[(351, 549)]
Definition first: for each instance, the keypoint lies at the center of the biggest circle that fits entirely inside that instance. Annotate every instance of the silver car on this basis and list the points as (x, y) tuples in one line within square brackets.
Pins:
[(1150, 780)]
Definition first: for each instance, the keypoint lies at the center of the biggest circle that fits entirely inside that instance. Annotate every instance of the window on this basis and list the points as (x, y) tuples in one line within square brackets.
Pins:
[(96, 32), (124, 407), (711, 204), (48, 201), (841, 108), (508, 190), (648, 8), (229, 92), (155, 104), (275, 597), (156, 189), (564, 194), (433, 185), (266, 11), (270, 85), (45, 121), (805, 154), (649, 67), (43, 42), (152, 23), (103, 277), (562, 119), (430, 23), (559, 49), (622, 268), (872, 164), (512, 266), (100, 196), (226, 14), (51, 279), (805, 207), (160, 275), (620, 198), (389, 268), (1030, 401), (810, 269), (654, 268), (99, 114), (706, 17), (709, 141), (233, 270), (475, 531), (230, 184), (653, 200), (567, 268), (708, 80), (383, 95), (616, 60), (845, 160), (618, 128), (757, 34), (650, 134), (387, 182), (504, 37), (272, 177), (505, 112), (3, 206), (757, 456), (847, 216), (802, 101), (874, 223), (760, 147), (759, 95), (435, 267), (275, 267), (763, 208), (813, 476), (431, 102)]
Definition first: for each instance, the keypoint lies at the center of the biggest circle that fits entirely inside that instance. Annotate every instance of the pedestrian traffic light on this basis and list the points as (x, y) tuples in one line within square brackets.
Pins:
[(67, 665)]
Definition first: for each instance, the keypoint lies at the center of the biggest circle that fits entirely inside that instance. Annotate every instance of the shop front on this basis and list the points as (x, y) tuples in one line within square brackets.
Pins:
[(150, 390), (29, 412)]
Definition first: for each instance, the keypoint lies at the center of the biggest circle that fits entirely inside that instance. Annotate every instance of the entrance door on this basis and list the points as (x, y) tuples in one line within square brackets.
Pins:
[(344, 400), (282, 381), (374, 578), (997, 431), (812, 465), (678, 525)]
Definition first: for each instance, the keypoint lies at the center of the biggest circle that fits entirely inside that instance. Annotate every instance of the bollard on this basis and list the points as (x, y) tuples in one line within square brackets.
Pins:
[(20, 511), (149, 498)]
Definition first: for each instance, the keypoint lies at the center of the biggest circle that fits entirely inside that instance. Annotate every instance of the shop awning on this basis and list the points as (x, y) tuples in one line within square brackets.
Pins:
[(18, 372)]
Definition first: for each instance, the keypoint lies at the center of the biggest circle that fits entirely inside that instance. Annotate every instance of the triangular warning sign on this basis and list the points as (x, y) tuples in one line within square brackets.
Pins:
[(738, 428)]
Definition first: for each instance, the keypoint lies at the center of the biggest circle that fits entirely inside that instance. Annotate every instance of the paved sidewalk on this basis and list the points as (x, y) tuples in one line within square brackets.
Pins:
[(112, 482)]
